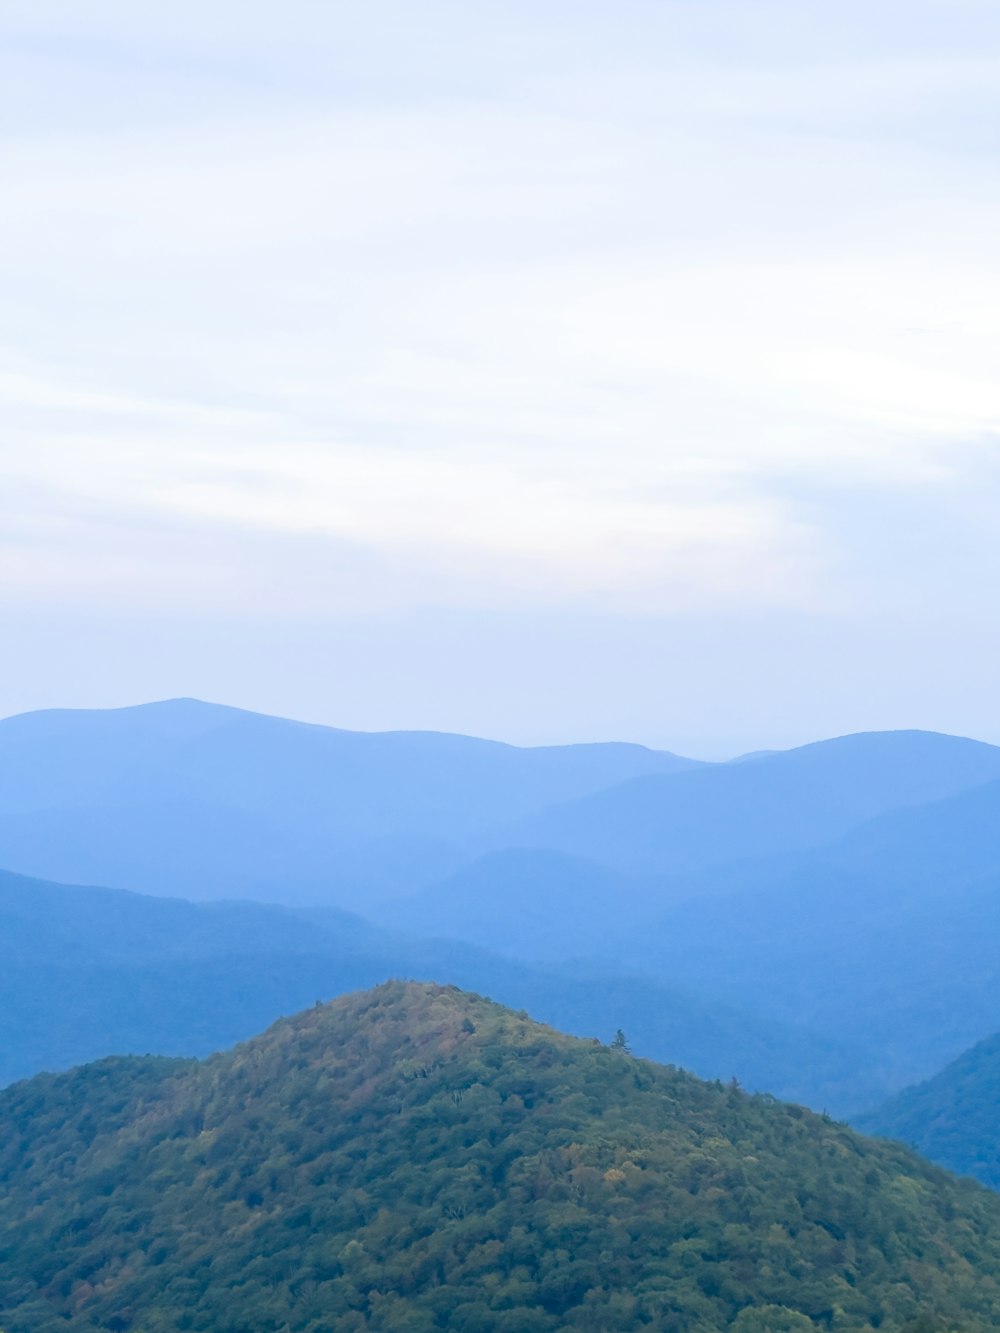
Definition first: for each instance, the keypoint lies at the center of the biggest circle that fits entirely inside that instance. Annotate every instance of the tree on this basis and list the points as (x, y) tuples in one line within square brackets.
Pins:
[(620, 1042)]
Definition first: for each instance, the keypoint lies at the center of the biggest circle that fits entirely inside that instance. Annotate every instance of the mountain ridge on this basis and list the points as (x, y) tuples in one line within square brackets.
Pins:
[(789, 800), (92, 972), (209, 801)]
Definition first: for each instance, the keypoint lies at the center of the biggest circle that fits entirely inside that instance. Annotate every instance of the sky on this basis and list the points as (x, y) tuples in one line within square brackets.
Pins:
[(549, 371)]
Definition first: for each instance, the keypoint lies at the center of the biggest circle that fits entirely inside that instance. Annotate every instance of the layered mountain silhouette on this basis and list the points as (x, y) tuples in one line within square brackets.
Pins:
[(90, 972), (772, 804), (885, 935), (201, 800), (890, 931), (416, 1158), (818, 922)]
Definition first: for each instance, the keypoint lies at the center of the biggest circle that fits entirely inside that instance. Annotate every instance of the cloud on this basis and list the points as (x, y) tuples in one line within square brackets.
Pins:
[(508, 308)]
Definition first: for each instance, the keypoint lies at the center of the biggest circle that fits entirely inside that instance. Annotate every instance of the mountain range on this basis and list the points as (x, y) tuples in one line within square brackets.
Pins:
[(205, 801), (88, 972), (817, 922)]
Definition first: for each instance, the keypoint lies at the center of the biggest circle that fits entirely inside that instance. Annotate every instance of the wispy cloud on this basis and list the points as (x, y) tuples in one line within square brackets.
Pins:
[(498, 306)]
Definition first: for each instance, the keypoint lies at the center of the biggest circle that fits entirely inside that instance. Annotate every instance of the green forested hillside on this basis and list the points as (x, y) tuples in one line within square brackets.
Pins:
[(953, 1118), (415, 1158)]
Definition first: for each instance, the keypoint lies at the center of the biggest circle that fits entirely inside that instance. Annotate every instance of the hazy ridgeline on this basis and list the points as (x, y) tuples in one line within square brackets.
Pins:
[(819, 923)]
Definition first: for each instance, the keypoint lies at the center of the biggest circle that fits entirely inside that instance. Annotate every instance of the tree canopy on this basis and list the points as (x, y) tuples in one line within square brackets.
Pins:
[(414, 1158)]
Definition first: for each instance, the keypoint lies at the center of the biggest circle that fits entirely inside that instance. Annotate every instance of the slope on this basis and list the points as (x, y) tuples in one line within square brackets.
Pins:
[(952, 1118), (413, 1158)]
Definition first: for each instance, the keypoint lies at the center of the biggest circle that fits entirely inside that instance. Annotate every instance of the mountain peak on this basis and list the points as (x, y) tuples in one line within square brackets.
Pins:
[(390, 1025), (414, 1157)]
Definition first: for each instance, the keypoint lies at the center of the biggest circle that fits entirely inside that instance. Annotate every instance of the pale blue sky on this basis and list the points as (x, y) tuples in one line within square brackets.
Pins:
[(548, 371)]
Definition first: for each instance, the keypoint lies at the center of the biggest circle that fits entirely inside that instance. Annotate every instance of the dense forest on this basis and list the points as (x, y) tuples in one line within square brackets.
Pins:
[(952, 1118), (415, 1158)]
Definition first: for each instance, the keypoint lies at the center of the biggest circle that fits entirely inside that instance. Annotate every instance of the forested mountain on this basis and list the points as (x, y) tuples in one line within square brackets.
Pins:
[(200, 800), (953, 1118), (90, 972), (414, 1158)]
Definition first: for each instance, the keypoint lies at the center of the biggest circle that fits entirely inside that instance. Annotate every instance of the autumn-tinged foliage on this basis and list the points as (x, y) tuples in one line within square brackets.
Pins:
[(414, 1158)]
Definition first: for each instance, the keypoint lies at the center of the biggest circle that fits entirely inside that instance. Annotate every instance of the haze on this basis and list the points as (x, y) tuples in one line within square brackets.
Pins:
[(546, 372)]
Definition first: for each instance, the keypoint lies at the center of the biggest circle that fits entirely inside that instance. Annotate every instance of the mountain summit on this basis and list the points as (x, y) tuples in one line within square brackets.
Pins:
[(417, 1158)]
